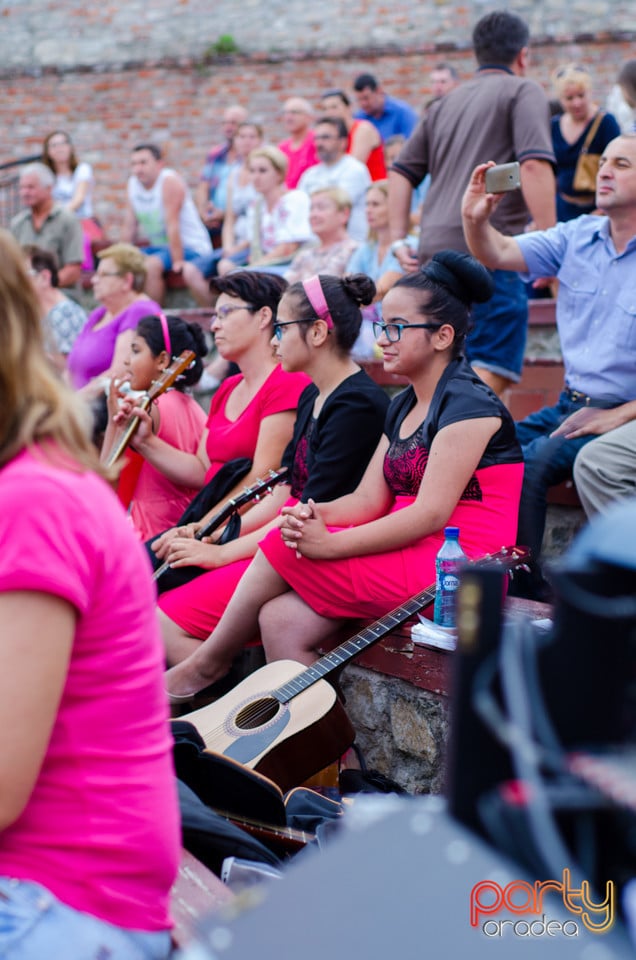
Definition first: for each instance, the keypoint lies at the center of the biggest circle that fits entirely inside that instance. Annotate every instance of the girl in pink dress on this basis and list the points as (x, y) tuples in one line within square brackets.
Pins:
[(449, 455), (156, 502)]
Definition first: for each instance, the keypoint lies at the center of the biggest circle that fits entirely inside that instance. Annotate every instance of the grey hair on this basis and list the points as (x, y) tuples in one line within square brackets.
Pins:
[(44, 174)]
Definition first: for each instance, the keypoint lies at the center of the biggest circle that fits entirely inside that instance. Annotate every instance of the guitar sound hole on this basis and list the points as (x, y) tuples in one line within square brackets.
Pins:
[(257, 713)]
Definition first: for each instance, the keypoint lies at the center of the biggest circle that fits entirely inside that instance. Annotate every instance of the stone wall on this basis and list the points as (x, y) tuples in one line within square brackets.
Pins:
[(118, 73), (44, 33), (400, 729)]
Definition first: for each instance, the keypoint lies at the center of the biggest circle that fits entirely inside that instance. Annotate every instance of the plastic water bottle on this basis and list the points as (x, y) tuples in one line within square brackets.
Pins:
[(448, 562)]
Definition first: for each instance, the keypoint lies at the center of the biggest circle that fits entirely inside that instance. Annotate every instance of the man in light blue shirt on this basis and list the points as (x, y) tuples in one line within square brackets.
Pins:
[(594, 259), (388, 114)]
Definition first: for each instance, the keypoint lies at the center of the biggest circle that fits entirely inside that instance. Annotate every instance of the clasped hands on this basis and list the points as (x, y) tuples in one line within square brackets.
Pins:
[(303, 530)]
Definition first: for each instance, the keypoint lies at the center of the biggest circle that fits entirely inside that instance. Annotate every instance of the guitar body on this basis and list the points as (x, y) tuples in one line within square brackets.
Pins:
[(293, 734), (287, 742)]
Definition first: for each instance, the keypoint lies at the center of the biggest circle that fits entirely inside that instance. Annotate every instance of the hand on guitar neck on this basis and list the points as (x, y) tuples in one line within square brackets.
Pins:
[(133, 415)]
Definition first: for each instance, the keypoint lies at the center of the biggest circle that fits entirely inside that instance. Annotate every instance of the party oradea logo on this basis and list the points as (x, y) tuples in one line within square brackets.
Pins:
[(523, 902)]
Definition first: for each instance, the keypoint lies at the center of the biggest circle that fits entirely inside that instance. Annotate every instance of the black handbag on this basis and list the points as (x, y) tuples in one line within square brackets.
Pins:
[(223, 481)]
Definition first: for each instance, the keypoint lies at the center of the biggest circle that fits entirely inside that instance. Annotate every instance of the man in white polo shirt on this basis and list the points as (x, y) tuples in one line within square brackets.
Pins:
[(338, 169)]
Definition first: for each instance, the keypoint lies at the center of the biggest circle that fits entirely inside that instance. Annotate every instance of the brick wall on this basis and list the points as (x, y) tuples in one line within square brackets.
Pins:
[(109, 104)]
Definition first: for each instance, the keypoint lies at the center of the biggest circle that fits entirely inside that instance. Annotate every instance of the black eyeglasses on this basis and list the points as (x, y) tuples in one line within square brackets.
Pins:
[(278, 326), (393, 331)]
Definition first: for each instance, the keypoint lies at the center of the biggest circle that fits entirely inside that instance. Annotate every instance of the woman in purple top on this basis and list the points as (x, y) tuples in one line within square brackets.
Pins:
[(102, 346)]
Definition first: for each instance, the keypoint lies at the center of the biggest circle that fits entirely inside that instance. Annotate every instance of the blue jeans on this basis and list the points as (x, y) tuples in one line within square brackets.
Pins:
[(497, 339), (163, 254), (548, 461), (34, 925)]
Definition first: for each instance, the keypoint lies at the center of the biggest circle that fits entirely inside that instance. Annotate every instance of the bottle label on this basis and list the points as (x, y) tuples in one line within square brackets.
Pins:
[(449, 582)]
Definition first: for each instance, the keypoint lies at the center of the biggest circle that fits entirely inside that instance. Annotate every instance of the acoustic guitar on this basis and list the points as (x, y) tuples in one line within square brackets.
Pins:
[(260, 487), (285, 720), (159, 386)]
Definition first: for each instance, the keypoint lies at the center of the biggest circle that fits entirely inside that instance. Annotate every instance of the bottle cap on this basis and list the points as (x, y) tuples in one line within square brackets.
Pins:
[(451, 531)]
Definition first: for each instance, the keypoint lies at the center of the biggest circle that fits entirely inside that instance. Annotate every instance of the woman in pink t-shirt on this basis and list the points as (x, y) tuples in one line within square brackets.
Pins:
[(251, 415), (89, 826)]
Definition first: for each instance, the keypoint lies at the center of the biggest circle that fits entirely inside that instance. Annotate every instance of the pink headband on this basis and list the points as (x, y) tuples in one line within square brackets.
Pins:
[(166, 333), (316, 298)]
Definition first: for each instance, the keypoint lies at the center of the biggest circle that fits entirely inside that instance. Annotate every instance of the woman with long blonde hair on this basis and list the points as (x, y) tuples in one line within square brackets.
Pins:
[(88, 814)]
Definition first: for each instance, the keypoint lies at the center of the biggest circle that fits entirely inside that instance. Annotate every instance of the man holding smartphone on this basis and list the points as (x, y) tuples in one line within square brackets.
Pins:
[(594, 259), (502, 116)]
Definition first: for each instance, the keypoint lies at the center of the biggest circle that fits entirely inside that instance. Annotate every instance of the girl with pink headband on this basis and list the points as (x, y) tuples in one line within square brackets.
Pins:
[(155, 501)]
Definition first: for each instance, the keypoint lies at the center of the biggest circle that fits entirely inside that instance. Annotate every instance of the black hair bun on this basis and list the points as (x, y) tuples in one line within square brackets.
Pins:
[(360, 288), (200, 345), (466, 278)]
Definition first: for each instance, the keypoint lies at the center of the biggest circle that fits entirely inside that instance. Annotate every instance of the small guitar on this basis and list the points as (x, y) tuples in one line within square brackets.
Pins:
[(261, 487), (285, 720), (159, 386)]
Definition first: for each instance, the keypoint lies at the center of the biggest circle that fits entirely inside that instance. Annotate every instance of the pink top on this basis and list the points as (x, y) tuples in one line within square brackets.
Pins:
[(157, 502), (228, 439), (299, 160), (101, 828)]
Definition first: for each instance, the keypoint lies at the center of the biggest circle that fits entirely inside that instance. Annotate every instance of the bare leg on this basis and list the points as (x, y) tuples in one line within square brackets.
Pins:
[(213, 658), (291, 630), (178, 644), (197, 284), (494, 380), (154, 285), (225, 265)]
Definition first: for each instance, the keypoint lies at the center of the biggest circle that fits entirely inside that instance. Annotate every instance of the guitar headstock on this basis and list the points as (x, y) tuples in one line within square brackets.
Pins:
[(508, 559), (263, 485), (170, 374)]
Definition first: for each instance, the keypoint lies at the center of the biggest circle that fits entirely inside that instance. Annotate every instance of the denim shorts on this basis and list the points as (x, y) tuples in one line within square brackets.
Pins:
[(163, 254), (35, 925), (497, 339)]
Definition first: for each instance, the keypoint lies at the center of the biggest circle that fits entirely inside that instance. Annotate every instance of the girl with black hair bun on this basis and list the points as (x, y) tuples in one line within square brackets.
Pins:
[(449, 455), (338, 425), (156, 502)]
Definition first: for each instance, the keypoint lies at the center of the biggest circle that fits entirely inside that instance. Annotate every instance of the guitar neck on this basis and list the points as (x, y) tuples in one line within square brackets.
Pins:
[(213, 523), (127, 435), (262, 486), (354, 646), (220, 517), (158, 387), (287, 837), (508, 558)]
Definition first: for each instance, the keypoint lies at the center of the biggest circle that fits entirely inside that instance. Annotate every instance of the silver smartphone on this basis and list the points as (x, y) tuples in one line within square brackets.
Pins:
[(503, 177)]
